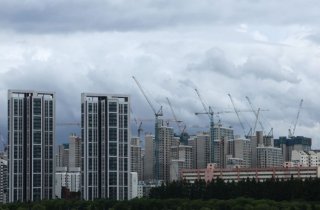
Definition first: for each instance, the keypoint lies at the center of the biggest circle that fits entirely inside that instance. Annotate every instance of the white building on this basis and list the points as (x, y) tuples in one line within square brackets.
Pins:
[(105, 134), (31, 140), (133, 185), (69, 178), (305, 158), (3, 180), (269, 157)]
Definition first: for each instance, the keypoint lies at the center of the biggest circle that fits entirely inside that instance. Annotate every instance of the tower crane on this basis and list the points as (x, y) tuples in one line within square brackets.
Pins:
[(174, 116), (183, 135), (157, 114), (291, 133), (236, 111), (255, 113), (209, 112)]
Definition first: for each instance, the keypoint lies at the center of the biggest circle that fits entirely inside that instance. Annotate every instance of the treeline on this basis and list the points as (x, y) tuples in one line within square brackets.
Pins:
[(168, 204), (273, 189)]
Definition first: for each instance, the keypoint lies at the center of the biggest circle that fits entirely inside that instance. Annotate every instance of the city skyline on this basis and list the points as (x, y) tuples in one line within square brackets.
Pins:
[(242, 48)]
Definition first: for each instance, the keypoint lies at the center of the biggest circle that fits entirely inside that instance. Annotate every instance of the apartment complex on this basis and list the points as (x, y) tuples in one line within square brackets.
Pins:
[(220, 135), (105, 134), (268, 157), (288, 144), (200, 150), (31, 140)]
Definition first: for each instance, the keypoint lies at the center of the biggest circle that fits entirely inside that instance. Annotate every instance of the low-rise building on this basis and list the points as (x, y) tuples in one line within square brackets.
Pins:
[(237, 174), (69, 178)]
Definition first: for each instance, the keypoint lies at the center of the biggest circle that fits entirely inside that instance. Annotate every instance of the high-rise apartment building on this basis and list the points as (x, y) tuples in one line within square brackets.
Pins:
[(200, 150), (3, 179), (74, 151), (242, 150), (105, 146), (166, 140), (31, 137), (219, 133), (299, 143), (136, 157), (62, 158), (149, 158), (269, 157)]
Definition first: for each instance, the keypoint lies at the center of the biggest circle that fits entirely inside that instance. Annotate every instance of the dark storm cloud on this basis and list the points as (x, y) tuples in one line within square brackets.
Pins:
[(47, 16)]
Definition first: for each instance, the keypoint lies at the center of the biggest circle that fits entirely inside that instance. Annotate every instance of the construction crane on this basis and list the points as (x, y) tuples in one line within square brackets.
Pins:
[(255, 113), (174, 116), (209, 112), (183, 135), (291, 133), (237, 112), (157, 114)]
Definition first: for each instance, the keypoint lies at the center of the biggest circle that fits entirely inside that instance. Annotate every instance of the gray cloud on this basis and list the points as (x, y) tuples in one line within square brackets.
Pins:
[(68, 16), (172, 47)]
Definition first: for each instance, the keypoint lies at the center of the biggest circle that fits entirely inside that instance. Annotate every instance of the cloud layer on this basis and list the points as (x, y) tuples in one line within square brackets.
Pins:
[(267, 50)]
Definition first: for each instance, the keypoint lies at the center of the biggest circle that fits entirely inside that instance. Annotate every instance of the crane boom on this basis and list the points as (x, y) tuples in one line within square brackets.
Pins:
[(257, 119), (159, 113), (174, 116), (236, 111), (255, 112), (204, 105), (297, 118)]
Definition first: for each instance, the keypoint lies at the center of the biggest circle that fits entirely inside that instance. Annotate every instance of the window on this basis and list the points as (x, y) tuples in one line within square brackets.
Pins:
[(113, 107), (37, 106), (37, 137), (113, 178), (113, 163), (113, 149), (112, 134), (36, 122), (37, 151), (36, 166), (112, 119)]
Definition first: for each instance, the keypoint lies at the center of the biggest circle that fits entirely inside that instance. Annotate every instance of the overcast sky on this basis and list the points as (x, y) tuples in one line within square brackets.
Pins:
[(267, 50)]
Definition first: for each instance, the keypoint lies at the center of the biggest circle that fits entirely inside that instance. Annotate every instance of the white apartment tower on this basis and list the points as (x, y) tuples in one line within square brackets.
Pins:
[(105, 123), (31, 137)]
